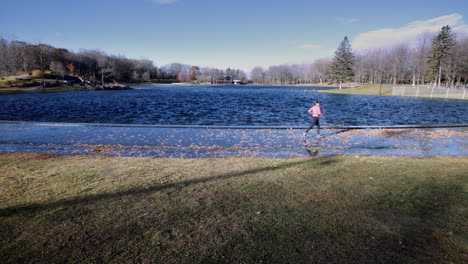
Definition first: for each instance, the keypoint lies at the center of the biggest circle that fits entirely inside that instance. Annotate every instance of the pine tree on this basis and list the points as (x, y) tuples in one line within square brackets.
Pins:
[(341, 68), (442, 45)]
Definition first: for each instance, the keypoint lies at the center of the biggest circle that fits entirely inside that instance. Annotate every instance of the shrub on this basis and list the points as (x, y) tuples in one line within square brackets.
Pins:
[(36, 73)]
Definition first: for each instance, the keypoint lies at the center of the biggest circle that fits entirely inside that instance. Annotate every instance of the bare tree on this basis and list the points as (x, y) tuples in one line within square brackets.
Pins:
[(320, 68), (461, 61), (135, 76), (4, 48), (58, 67), (418, 58), (105, 67), (400, 63), (257, 75), (146, 76), (242, 76), (42, 55), (297, 73)]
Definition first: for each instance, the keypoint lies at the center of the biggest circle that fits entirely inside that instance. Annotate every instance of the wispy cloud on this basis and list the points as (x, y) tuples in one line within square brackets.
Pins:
[(164, 2), (309, 46), (344, 20), (408, 33)]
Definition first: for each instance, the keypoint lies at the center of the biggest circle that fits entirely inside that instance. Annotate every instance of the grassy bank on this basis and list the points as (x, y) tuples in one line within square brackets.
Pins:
[(336, 209), (13, 90), (7, 82), (11, 85), (375, 89), (370, 89)]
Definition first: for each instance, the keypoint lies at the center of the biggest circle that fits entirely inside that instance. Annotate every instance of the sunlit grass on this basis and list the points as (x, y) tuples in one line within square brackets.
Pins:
[(385, 89), (6, 81), (370, 89)]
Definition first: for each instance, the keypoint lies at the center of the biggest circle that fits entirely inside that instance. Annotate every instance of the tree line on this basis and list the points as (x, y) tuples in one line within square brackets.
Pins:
[(18, 57), (436, 59)]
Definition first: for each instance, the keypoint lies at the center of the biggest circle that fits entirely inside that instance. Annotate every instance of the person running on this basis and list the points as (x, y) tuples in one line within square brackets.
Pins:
[(316, 112)]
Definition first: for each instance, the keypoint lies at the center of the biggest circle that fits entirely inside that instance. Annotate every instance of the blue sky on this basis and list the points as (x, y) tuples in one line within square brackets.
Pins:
[(222, 33)]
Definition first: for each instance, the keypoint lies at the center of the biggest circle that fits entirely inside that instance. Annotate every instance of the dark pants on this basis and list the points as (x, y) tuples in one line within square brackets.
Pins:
[(315, 121)]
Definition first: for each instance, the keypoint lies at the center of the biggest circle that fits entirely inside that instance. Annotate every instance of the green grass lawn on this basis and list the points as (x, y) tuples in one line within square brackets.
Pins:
[(334, 209)]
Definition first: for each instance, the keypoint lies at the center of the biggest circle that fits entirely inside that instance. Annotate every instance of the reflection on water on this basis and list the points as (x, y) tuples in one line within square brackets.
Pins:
[(228, 106), (312, 146)]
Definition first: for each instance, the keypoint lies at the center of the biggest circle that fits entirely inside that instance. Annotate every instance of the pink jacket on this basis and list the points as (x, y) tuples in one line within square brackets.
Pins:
[(315, 110)]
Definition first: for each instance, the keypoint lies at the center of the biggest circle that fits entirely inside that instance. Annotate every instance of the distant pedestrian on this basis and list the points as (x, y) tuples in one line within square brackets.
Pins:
[(316, 112)]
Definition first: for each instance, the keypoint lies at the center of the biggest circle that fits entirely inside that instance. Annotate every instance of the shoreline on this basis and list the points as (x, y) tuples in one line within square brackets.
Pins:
[(75, 88), (206, 142)]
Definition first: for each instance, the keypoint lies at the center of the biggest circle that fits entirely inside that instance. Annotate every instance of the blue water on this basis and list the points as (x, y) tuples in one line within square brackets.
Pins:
[(227, 106)]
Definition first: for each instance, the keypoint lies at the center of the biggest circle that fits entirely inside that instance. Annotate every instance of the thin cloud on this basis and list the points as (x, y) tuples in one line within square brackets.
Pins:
[(408, 33), (309, 46), (164, 2), (348, 20)]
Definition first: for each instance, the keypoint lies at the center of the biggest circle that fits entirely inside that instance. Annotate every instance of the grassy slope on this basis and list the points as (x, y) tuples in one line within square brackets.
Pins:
[(374, 89), (3, 82), (371, 89), (7, 88), (336, 209)]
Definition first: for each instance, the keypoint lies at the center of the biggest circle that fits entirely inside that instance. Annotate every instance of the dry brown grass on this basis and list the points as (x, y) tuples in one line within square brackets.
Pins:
[(337, 209)]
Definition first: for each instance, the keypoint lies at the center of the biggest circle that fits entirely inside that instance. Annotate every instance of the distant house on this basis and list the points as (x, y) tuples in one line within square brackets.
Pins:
[(224, 80), (227, 80)]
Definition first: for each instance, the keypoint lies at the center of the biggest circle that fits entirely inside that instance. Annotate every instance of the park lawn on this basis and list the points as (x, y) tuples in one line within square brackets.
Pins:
[(12, 90), (9, 85), (370, 89), (5, 80), (12, 82), (333, 209), (5, 85)]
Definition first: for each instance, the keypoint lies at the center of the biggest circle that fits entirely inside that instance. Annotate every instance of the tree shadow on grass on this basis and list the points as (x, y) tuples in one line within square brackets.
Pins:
[(424, 221), (9, 211), (396, 225)]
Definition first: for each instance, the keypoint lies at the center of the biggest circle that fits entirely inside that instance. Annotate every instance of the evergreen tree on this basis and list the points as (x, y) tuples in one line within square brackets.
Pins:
[(442, 45), (341, 68)]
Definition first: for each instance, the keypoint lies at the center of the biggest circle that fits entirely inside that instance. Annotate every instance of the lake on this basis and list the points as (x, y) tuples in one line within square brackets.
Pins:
[(228, 106)]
